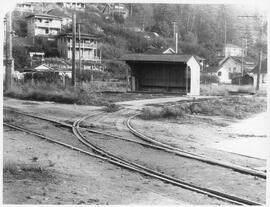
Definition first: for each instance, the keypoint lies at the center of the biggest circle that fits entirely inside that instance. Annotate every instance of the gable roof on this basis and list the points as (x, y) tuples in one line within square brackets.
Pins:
[(263, 68), (157, 58), (247, 61)]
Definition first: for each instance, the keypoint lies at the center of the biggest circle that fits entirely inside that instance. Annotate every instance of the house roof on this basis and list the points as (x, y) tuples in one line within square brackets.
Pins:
[(40, 68), (44, 16), (263, 68), (246, 60), (198, 58), (83, 35), (157, 57)]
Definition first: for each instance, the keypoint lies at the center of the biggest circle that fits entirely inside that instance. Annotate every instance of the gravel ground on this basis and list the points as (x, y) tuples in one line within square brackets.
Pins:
[(79, 179)]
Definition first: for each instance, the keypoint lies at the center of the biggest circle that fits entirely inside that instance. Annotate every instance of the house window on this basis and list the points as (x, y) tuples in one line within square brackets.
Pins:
[(230, 69), (219, 73), (234, 69), (46, 31)]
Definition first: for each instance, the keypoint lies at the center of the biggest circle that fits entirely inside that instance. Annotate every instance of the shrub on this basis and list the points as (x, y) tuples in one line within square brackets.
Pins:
[(111, 107), (207, 79)]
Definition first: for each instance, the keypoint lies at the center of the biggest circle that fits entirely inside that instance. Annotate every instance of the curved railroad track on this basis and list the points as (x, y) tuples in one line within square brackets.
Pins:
[(190, 155), (149, 142), (139, 168), (153, 173)]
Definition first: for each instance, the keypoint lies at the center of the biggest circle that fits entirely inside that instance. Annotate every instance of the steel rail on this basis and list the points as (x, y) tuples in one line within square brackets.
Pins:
[(121, 164), (212, 193), (131, 166), (190, 155), (155, 144)]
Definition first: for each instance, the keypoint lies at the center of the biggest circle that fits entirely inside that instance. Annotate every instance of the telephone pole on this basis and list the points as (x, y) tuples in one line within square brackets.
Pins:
[(260, 61), (80, 61), (9, 59), (225, 36), (73, 78), (260, 47)]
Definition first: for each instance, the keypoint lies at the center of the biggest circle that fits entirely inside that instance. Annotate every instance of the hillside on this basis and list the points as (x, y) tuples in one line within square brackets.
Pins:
[(201, 28)]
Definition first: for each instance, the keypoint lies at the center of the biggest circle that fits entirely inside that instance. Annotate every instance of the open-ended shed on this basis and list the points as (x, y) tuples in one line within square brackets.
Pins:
[(164, 73)]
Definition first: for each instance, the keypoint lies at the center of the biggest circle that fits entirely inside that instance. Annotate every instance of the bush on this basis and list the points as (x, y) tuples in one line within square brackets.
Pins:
[(49, 77), (111, 107), (207, 79)]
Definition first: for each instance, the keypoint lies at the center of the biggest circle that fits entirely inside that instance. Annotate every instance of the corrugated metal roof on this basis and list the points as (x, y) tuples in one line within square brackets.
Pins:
[(156, 57)]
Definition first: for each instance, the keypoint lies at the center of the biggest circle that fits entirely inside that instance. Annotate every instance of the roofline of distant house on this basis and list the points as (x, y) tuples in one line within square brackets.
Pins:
[(83, 35), (44, 16)]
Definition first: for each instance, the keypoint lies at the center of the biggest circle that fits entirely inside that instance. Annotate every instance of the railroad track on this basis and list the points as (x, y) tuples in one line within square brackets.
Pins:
[(190, 155), (157, 145), (135, 167)]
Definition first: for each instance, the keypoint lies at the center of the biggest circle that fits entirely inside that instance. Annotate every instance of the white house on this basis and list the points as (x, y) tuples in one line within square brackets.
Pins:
[(88, 47), (43, 24), (230, 50), (72, 5), (228, 69)]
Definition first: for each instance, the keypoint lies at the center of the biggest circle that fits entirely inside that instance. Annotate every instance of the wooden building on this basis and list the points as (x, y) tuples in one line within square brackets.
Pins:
[(164, 73), (88, 47)]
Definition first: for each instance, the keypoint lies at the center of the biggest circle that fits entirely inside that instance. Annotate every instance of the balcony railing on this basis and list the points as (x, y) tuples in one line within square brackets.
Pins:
[(49, 24), (84, 45)]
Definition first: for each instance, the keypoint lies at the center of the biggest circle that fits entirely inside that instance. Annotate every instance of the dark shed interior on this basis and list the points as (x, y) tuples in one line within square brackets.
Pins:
[(159, 76)]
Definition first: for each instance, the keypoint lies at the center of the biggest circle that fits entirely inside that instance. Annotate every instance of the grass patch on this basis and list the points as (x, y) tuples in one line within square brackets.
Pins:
[(96, 93), (27, 171), (111, 107), (9, 118), (150, 113), (223, 89), (237, 107)]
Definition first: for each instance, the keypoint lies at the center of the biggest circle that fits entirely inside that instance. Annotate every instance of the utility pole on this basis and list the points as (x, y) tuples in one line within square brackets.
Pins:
[(73, 78), (80, 63), (225, 36), (175, 36), (242, 57), (9, 59), (260, 61), (260, 48), (174, 29), (176, 42)]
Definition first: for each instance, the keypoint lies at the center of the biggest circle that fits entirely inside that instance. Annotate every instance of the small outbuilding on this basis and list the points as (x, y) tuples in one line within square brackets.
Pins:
[(164, 73)]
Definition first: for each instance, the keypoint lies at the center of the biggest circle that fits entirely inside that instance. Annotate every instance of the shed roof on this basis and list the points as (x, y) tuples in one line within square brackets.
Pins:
[(156, 58)]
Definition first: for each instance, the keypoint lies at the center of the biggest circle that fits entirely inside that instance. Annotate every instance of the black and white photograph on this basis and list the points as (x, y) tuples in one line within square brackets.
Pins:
[(135, 103)]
